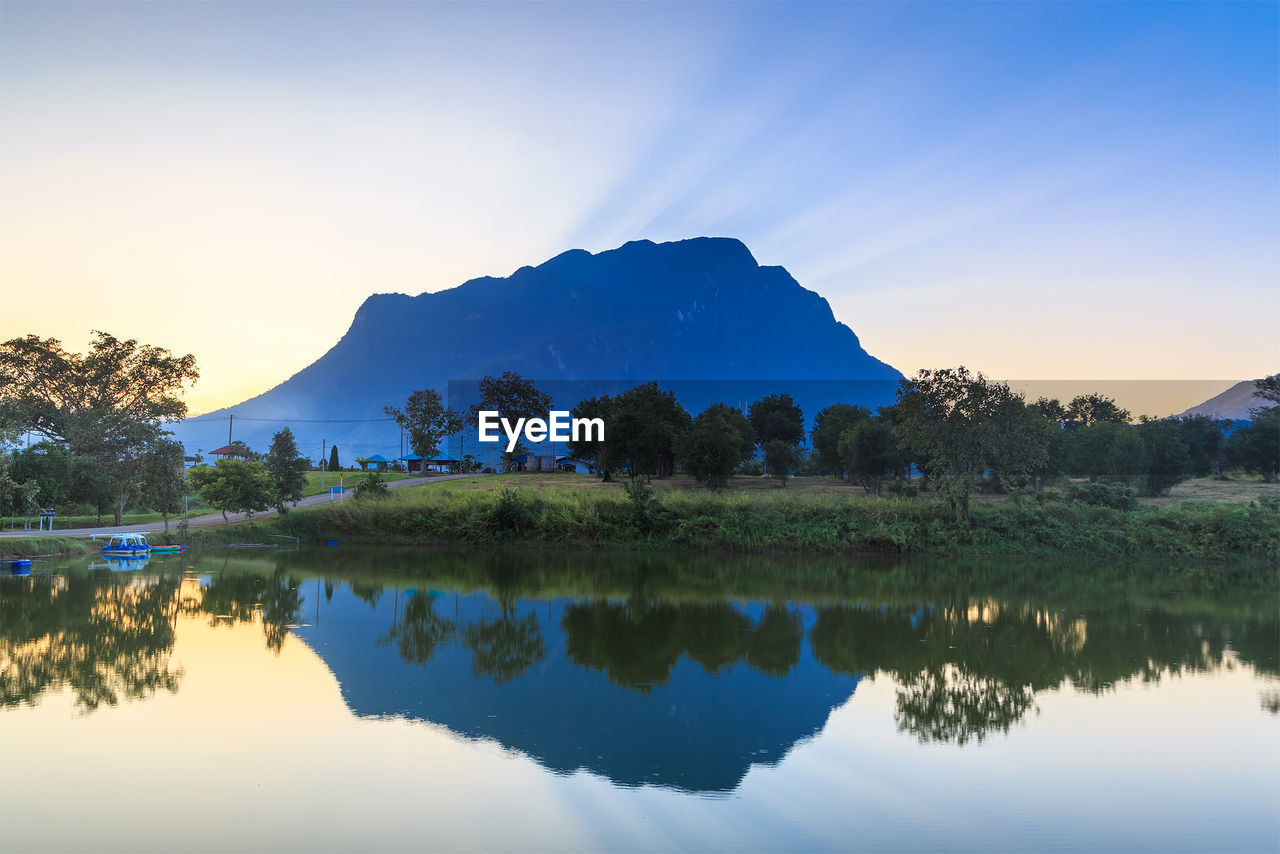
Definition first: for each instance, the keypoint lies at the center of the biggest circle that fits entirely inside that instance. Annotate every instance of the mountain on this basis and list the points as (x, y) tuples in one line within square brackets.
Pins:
[(1234, 403), (692, 310)]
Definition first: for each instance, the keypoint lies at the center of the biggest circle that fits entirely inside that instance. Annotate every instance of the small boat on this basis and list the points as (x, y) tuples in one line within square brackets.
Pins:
[(167, 550), (127, 544), (20, 563)]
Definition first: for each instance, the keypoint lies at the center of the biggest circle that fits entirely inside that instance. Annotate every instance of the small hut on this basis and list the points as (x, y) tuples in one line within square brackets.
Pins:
[(380, 461), (412, 463)]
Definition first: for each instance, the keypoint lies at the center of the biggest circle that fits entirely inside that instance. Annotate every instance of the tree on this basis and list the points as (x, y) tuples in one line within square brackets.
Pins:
[(1267, 388), (1168, 460), (427, 421), (719, 442), (590, 452), (778, 422), (1085, 410), (1107, 451), (640, 436), (108, 404), (333, 459), (870, 452), (512, 397), (1205, 442), (961, 424), (235, 486), (781, 458), (164, 483), (828, 427), (288, 468), (1255, 448)]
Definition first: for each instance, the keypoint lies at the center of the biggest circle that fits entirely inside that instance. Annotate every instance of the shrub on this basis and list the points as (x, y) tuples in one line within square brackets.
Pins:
[(372, 487), (1118, 496)]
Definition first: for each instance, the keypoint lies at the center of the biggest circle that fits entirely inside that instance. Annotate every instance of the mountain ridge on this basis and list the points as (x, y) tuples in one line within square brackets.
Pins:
[(696, 309)]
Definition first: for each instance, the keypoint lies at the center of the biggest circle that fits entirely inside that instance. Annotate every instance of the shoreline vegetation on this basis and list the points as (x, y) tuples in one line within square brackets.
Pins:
[(568, 511)]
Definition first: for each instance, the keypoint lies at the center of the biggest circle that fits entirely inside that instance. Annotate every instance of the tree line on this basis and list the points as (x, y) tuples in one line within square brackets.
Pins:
[(101, 417)]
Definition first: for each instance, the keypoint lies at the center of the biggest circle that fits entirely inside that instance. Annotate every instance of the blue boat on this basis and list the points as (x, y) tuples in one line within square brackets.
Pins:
[(127, 544)]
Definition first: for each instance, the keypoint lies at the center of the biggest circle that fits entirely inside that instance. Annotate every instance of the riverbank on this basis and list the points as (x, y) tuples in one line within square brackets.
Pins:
[(782, 520)]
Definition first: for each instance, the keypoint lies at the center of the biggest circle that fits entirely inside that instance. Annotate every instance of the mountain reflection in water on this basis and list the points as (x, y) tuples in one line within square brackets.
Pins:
[(626, 672)]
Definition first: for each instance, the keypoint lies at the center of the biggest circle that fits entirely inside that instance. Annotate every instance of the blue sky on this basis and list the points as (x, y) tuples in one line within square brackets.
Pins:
[(1034, 190)]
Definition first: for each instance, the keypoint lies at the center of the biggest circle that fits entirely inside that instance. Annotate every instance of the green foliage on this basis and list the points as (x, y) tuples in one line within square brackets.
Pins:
[(828, 428), (960, 425), (1168, 460), (164, 482), (235, 486), (778, 520), (1119, 496), (719, 442), (870, 452), (781, 458), (372, 487), (1088, 409), (644, 505), (333, 459), (640, 436), (511, 514), (1107, 451), (288, 468), (592, 407), (776, 417), (427, 422), (1268, 389), (1255, 448)]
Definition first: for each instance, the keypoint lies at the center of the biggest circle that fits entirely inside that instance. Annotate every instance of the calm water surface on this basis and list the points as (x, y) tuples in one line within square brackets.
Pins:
[(348, 700)]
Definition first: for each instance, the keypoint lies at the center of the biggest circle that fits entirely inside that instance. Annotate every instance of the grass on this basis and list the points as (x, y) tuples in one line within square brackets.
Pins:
[(349, 479), (579, 511)]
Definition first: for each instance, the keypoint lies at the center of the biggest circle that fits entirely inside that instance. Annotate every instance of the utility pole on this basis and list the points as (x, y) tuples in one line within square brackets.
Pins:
[(231, 419), (323, 459)]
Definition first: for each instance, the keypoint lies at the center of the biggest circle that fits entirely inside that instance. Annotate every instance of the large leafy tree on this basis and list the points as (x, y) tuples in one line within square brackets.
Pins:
[(778, 424), (235, 486), (1267, 389), (512, 397), (1085, 410), (961, 424), (828, 427), (719, 442), (601, 407), (426, 420), (109, 404), (871, 452), (641, 435), (1255, 448), (287, 468), (164, 483)]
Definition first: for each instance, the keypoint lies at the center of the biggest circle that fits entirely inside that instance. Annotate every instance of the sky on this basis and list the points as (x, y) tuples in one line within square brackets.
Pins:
[(1037, 191)]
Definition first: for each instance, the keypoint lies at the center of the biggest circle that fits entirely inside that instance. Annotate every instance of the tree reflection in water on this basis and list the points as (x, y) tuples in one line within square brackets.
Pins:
[(637, 644), (106, 637), (419, 630), (973, 667)]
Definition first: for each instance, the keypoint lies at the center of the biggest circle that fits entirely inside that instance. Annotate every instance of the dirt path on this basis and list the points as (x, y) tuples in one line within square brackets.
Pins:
[(216, 518)]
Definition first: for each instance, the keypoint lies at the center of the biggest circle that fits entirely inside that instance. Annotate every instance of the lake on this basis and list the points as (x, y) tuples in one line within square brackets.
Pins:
[(391, 700)]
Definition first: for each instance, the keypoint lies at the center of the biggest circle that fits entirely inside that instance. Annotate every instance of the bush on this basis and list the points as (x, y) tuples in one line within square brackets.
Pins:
[(1118, 496), (371, 487), (511, 514)]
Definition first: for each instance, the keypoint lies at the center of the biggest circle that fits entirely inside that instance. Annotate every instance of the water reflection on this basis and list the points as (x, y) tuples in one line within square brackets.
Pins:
[(633, 675), (106, 637)]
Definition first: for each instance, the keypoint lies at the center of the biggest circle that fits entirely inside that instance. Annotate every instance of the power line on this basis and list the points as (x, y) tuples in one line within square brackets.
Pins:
[(205, 419)]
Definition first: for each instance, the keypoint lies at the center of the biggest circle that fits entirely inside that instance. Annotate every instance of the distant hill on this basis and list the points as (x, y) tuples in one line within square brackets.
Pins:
[(1234, 403), (699, 309)]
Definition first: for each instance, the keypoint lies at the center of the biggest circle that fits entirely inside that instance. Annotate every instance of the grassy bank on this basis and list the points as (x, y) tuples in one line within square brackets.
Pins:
[(544, 511), (20, 547)]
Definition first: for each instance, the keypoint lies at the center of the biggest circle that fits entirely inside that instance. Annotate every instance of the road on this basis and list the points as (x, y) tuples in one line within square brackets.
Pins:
[(216, 518)]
